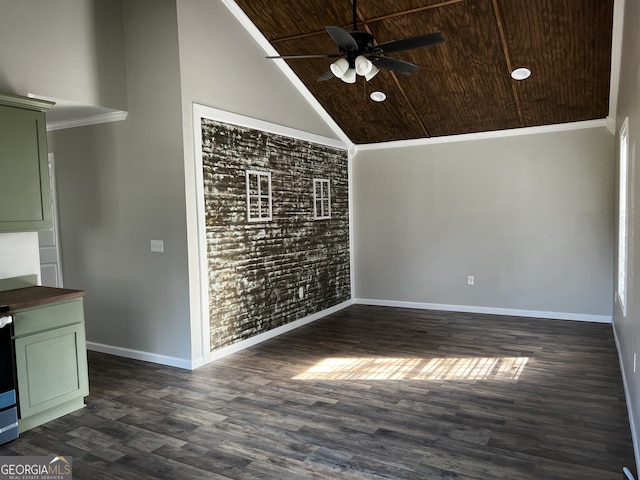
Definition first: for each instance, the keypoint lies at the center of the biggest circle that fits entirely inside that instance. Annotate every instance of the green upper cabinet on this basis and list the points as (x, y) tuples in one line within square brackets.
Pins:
[(25, 203)]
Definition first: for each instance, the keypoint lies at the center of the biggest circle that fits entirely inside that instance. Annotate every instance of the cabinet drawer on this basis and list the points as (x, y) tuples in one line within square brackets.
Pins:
[(43, 318)]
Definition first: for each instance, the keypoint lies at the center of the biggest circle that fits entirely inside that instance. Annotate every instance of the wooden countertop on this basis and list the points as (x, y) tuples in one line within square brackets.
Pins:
[(35, 296)]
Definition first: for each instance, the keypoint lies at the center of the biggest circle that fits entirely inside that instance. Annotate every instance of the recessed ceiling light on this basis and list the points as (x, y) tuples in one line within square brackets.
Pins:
[(520, 73), (378, 96)]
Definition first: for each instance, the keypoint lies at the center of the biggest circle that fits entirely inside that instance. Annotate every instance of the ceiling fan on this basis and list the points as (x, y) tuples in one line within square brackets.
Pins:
[(360, 56)]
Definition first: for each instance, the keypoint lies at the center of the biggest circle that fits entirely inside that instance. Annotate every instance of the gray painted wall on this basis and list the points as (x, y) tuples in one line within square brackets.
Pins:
[(121, 185), (628, 328), (529, 216), (124, 184), (223, 67), (70, 49)]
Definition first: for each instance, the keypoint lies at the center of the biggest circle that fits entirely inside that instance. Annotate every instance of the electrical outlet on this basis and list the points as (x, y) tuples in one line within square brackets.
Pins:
[(301, 293), (470, 280)]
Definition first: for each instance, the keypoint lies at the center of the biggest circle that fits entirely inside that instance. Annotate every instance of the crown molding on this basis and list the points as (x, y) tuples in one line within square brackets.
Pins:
[(116, 116), (514, 132), (616, 59)]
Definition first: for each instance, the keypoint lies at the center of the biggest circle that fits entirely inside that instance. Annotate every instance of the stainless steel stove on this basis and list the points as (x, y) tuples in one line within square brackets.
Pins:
[(8, 409)]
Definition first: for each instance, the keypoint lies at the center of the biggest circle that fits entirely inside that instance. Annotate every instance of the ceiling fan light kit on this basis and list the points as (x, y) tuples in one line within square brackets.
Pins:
[(339, 67), (371, 73), (363, 65), (349, 76)]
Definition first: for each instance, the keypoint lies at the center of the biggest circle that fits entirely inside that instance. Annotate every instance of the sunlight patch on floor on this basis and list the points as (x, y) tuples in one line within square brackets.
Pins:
[(385, 368)]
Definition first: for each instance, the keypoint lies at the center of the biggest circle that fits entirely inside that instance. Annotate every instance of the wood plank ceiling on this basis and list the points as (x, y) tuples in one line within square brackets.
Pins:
[(463, 84)]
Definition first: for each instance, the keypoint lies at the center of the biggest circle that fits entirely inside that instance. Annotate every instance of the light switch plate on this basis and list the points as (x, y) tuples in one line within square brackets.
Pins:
[(157, 246)]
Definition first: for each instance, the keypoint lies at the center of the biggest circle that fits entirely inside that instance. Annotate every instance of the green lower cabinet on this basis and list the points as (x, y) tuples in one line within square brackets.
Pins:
[(51, 365)]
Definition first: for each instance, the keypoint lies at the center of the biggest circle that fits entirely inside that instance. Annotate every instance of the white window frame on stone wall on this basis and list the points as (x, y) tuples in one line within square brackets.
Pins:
[(257, 196), (321, 199)]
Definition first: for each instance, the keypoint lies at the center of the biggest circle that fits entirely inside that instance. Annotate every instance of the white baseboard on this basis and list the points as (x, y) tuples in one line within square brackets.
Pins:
[(249, 342), (236, 347), (634, 435), (140, 355), (583, 317), (216, 354)]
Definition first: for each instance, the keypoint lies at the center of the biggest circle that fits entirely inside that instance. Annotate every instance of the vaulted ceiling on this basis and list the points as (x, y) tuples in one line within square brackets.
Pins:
[(464, 84)]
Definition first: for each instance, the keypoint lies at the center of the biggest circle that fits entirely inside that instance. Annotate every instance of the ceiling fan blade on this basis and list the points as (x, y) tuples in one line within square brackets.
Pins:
[(410, 43), (344, 40), (393, 64), (313, 55), (326, 76)]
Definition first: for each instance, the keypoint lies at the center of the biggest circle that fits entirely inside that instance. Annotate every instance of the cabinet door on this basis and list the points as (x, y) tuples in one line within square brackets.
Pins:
[(51, 368), (24, 196)]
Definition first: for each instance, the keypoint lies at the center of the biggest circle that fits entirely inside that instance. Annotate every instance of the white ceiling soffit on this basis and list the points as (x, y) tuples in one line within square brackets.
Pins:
[(67, 114)]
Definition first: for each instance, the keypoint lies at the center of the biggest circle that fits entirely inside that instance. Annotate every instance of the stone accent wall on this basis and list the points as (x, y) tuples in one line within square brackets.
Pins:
[(256, 269)]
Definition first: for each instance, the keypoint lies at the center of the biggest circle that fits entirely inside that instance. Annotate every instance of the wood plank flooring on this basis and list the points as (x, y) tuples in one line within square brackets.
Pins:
[(366, 393)]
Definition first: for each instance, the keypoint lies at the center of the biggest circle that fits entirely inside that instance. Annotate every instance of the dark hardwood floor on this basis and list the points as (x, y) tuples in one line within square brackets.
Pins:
[(367, 393)]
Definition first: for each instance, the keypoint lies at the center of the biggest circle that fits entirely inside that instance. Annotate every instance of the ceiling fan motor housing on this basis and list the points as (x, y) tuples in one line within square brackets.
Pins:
[(364, 41)]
